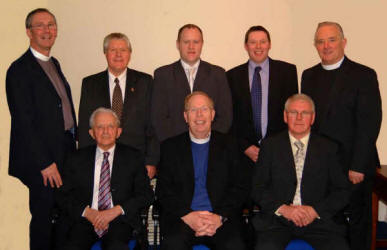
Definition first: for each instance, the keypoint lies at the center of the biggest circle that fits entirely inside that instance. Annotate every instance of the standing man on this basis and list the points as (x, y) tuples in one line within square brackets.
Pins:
[(128, 93), (299, 185), (105, 187), (175, 81), (42, 122), (349, 106), (259, 90), (201, 184)]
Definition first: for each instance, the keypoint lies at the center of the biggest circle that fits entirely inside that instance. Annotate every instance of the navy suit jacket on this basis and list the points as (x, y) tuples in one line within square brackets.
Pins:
[(282, 84), (37, 125)]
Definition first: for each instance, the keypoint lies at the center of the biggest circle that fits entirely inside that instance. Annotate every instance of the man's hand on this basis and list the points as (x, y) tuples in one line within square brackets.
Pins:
[(194, 221), (252, 152), (355, 177), (104, 217), (311, 214), (294, 214), (51, 174), (151, 171), (90, 214), (212, 220)]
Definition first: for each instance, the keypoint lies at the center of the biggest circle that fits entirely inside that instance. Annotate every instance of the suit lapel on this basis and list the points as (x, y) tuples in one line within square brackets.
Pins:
[(287, 155), (104, 90), (89, 169), (187, 161), (181, 77), (130, 92)]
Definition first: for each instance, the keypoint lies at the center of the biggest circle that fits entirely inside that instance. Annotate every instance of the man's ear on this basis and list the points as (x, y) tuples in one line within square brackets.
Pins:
[(91, 133)]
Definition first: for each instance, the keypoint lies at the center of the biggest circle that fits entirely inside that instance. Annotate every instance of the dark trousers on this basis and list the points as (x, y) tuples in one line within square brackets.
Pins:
[(42, 203), (82, 236), (320, 235), (360, 215), (179, 236)]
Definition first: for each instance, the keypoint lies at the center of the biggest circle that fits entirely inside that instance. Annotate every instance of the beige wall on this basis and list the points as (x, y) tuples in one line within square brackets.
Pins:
[(152, 25)]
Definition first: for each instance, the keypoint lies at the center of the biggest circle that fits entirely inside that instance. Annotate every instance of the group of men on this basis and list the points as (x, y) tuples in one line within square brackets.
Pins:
[(216, 138)]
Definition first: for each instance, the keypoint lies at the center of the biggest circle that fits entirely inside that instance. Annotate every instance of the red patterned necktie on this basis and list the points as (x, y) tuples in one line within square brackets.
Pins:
[(104, 194)]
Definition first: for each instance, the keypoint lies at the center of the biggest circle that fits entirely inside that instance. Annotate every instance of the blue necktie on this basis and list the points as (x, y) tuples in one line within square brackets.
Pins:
[(256, 101)]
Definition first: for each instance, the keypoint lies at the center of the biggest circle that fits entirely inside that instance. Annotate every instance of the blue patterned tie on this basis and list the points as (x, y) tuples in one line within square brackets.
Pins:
[(256, 101), (104, 194)]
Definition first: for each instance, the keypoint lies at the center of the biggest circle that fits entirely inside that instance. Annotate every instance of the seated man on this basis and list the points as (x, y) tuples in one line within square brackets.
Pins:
[(299, 185), (104, 188), (201, 185)]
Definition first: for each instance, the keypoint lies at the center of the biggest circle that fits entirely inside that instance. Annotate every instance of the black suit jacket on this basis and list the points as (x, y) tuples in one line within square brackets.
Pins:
[(282, 84), (37, 125), (171, 87), (227, 180), (129, 184), (324, 185), (351, 113), (136, 126)]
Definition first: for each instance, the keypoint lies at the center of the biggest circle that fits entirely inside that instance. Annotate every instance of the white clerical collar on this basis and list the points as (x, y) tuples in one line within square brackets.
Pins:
[(304, 139), (121, 77), (199, 141), (39, 55), (187, 66), (333, 66)]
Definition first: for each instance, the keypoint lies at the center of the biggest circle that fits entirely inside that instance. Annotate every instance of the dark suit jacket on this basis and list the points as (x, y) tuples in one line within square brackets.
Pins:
[(136, 126), (351, 114), (324, 185), (282, 84), (171, 87), (227, 180), (129, 183), (37, 125)]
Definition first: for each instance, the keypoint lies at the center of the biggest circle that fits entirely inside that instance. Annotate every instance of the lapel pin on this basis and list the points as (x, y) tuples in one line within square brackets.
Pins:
[(132, 89)]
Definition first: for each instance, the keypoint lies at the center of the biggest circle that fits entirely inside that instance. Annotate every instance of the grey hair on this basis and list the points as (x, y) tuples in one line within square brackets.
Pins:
[(328, 23), (30, 15), (195, 93), (103, 110), (116, 35), (297, 97)]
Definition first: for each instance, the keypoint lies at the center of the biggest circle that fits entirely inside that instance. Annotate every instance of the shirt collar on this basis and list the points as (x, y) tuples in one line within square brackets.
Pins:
[(333, 66), (121, 77), (110, 150), (264, 65), (187, 66), (39, 55), (199, 141), (304, 139)]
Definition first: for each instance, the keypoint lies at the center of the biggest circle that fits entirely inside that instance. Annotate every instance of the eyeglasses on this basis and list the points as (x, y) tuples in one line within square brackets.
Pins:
[(42, 26), (203, 109), (294, 113)]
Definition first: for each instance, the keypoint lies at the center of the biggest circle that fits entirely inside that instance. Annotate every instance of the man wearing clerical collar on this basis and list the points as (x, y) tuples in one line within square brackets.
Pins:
[(349, 111), (201, 185)]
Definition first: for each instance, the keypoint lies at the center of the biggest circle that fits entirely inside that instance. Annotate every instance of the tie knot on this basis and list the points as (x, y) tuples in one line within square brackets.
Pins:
[(299, 144), (105, 155), (116, 81), (257, 69)]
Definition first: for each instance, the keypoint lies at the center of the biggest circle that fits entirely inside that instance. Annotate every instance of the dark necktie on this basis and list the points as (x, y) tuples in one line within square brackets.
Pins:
[(256, 101), (104, 194), (117, 102)]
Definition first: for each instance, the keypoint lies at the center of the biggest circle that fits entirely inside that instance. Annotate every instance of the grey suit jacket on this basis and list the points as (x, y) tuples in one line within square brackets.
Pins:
[(171, 87)]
